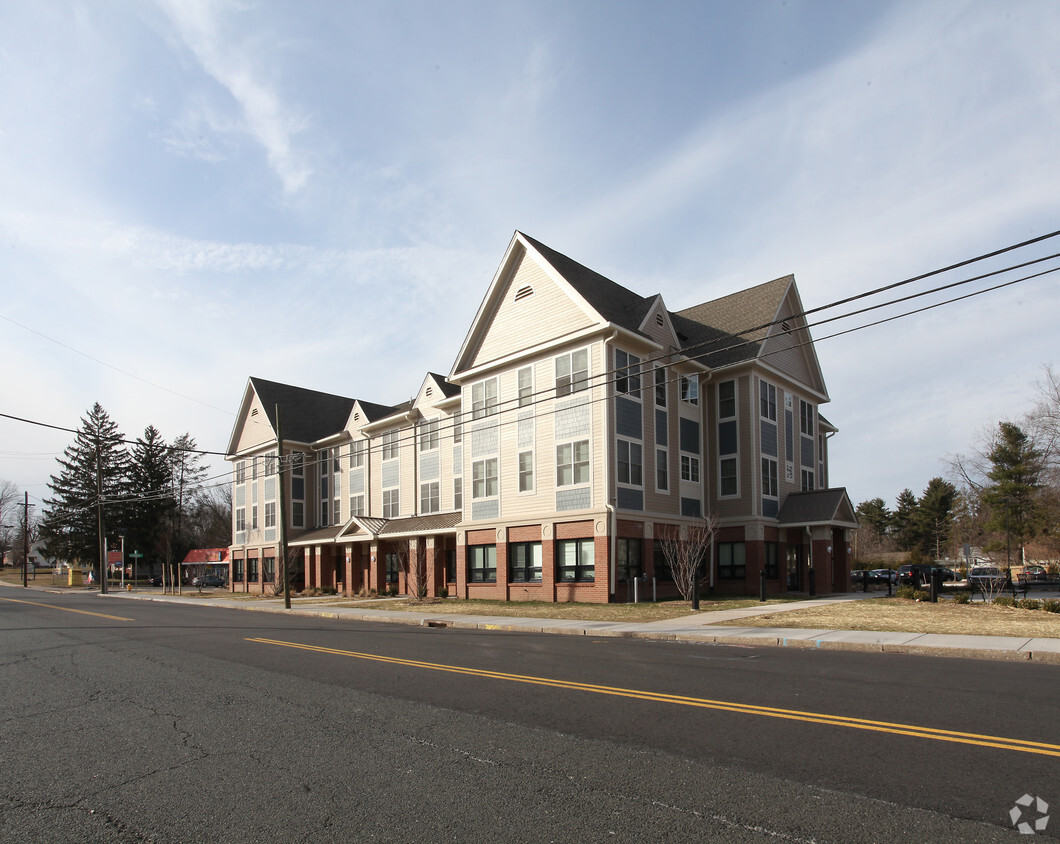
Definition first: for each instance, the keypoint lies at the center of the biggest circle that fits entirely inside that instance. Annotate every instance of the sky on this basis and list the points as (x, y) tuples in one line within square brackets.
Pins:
[(193, 193)]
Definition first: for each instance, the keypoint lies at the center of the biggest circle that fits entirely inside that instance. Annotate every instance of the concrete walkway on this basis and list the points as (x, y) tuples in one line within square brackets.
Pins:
[(720, 627)]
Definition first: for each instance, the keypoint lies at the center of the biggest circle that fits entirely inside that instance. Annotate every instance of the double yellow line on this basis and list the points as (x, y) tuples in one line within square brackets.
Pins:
[(911, 730)]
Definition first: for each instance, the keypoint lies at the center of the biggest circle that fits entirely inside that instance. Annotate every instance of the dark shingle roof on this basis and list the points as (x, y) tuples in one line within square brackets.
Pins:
[(307, 415), (612, 301), (733, 328), (449, 389), (822, 506)]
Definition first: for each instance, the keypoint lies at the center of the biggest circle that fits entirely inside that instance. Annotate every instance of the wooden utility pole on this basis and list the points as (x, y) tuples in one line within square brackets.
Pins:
[(25, 544), (282, 512), (99, 518)]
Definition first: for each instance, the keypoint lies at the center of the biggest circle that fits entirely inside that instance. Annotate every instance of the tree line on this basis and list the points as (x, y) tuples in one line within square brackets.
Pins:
[(1000, 497), (150, 492)]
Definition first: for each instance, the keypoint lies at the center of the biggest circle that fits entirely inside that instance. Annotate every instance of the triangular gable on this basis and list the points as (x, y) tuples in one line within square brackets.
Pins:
[(528, 303), (658, 325), (434, 390), (253, 426), (820, 507), (789, 348)]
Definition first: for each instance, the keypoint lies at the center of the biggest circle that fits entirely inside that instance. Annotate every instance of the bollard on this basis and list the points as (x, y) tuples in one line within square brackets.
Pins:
[(813, 583), (762, 585), (865, 581), (935, 576)]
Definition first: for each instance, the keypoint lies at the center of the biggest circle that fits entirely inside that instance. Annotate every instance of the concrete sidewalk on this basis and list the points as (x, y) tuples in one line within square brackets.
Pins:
[(719, 627)]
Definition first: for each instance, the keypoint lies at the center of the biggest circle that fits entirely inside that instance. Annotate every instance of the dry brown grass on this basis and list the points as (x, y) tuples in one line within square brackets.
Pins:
[(626, 613), (903, 616)]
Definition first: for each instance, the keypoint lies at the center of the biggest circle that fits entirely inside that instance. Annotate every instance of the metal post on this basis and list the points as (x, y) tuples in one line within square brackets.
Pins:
[(762, 585)]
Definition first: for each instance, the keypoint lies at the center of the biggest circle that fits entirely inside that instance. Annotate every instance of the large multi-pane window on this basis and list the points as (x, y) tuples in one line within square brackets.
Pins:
[(241, 519), (391, 443), (575, 560), (268, 569), (429, 435), (572, 463), (772, 561), (732, 562), (458, 493), (357, 449), (526, 471), (482, 564), (525, 559), (484, 398), (689, 468), (430, 497), (627, 558), (806, 418), (391, 503), (252, 570), (237, 570), (767, 395), (525, 378), (660, 386), (662, 470), (807, 480), (393, 568), (484, 480), (572, 372), (270, 514), (769, 477), (630, 463), (357, 505), (241, 472), (627, 373), (689, 389), (728, 445)]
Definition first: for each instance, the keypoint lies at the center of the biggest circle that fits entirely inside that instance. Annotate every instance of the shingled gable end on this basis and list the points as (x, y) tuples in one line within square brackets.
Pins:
[(579, 423)]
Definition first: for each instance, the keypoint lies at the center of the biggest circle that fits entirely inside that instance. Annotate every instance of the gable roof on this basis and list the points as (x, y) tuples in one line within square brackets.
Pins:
[(820, 507), (207, 555), (733, 328), (308, 415)]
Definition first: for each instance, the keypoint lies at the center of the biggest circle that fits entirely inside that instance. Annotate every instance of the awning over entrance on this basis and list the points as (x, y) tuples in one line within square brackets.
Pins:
[(365, 529), (822, 507)]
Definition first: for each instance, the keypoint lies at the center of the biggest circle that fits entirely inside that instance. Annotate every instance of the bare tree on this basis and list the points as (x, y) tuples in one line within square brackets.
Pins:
[(8, 516), (685, 550), (415, 571)]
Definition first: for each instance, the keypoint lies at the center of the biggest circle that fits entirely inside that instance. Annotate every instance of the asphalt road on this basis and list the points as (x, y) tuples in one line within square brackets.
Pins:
[(134, 721)]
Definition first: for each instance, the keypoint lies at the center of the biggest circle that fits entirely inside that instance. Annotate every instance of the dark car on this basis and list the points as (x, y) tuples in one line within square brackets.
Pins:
[(919, 574), (883, 575), (208, 580), (156, 580)]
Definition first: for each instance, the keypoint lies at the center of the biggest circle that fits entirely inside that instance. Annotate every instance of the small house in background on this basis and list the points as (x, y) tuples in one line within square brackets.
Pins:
[(205, 561)]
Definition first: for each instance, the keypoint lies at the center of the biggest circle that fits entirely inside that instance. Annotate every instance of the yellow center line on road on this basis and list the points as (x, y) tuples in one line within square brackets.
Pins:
[(911, 730), (68, 609)]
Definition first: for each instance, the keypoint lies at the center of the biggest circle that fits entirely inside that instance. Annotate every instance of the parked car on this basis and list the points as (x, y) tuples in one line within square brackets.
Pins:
[(1034, 572), (883, 575), (208, 580), (156, 580), (986, 574), (920, 574)]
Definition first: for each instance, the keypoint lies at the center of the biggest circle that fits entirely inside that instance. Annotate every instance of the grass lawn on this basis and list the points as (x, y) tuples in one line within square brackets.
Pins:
[(904, 616)]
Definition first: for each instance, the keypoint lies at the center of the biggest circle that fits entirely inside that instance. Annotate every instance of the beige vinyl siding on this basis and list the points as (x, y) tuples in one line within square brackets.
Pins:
[(547, 314), (256, 429), (783, 352)]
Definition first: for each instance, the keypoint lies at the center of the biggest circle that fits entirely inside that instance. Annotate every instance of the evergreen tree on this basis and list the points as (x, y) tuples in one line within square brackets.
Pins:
[(186, 478), (934, 517), (151, 507), (94, 470), (904, 520), (1012, 496)]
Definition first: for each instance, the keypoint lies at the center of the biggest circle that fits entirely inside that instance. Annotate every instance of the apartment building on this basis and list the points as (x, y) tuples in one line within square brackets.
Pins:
[(579, 424)]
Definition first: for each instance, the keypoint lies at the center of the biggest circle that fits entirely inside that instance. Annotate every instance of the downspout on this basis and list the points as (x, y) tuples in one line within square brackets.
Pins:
[(612, 517), (705, 417)]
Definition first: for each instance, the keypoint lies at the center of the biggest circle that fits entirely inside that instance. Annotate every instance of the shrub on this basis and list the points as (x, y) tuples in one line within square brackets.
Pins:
[(905, 592), (444, 592), (921, 595), (1051, 605), (962, 597), (1029, 604), (1005, 601)]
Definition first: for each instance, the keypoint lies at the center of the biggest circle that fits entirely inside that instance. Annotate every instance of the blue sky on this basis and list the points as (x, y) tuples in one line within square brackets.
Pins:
[(318, 193)]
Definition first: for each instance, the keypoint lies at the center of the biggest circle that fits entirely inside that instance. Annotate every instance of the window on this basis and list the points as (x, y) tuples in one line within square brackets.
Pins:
[(627, 558), (690, 389), (482, 564), (767, 395), (393, 568), (336, 511), (336, 467), (268, 569), (270, 465), (484, 478), (458, 429), (572, 372), (659, 561), (572, 463), (356, 505), (630, 463), (357, 450), (298, 514), (806, 418), (772, 564), (526, 386), (769, 477), (525, 562), (241, 520), (430, 497), (807, 480), (727, 400), (270, 514), (574, 557), (429, 435), (450, 565), (732, 563), (662, 470), (325, 506), (253, 468), (390, 445), (526, 471), (458, 493), (241, 472), (237, 570), (391, 503), (252, 570), (689, 468), (660, 387), (627, 373), (253, 516), (484, 398)]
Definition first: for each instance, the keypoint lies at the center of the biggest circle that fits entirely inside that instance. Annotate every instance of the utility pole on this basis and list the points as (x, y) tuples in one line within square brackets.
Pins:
[(25, 544), (99, 518), (282, 514)]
